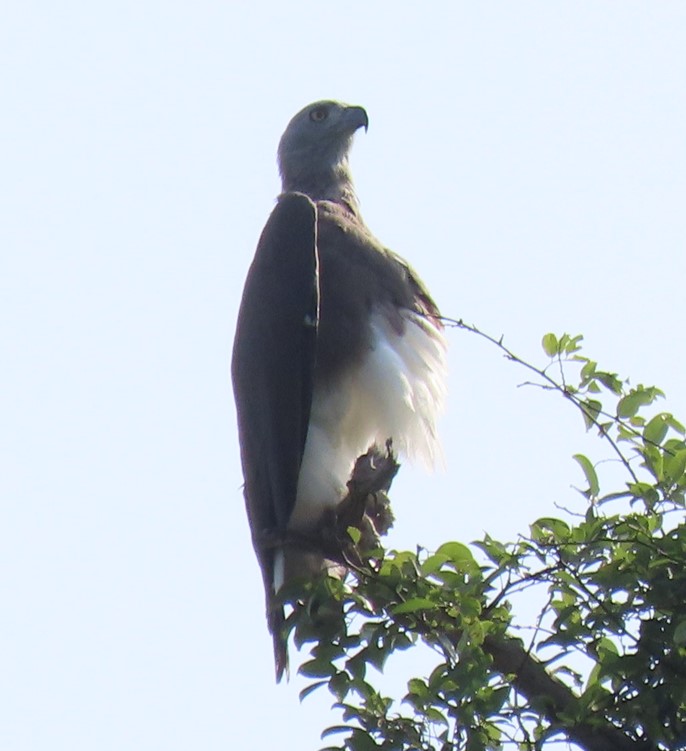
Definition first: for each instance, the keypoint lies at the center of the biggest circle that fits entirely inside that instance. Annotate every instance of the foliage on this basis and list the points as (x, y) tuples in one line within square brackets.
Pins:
[(606, 665)]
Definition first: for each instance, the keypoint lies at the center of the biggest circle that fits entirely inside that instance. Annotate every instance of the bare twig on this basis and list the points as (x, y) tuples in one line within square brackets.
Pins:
[(551, 384)]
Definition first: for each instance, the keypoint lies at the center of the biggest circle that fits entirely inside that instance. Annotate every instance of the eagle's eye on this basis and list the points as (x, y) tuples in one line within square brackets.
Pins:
[(318, 114)]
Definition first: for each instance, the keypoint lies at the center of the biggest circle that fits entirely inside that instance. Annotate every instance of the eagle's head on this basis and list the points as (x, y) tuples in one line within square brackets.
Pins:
[(313, 151)]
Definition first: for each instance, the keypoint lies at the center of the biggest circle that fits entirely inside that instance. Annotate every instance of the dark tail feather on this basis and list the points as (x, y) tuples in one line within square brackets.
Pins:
[(276, 624)]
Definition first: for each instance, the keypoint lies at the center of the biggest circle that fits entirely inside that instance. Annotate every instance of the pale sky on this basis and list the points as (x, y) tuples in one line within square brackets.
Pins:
[(527, 158)]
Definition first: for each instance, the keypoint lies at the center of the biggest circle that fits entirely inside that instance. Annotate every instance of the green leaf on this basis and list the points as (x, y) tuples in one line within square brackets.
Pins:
[(417, 687), (629, 405), (433, 563), (354, 534), (435, 715), (334, 729), (674, 466), (645, 491), (639, 397), (570, 344), (542, 529), (312, 687), (496, 551), (589, 472), (588, 370), (361, 740), (590, 409), (654, 460), (317, 669), (610, 381), (339, 685), (605, 646), (413, 605), (656, 429), (680, 634), (456, 552), (550, 345)]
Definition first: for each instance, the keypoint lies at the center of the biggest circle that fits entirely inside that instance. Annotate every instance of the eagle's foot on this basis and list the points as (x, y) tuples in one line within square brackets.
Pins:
[(367, 507)]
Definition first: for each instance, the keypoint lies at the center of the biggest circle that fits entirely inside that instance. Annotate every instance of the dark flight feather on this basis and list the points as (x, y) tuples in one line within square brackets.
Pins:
[(274, 390)]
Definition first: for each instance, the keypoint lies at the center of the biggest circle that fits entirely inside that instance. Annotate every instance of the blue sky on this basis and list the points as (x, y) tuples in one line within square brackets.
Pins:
[(527, 158)]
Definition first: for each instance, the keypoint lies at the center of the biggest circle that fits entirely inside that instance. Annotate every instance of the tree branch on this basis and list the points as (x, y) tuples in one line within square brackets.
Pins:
[(556, 700)]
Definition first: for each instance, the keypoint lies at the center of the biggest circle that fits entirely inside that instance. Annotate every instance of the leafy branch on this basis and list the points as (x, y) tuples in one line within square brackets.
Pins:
[(613, 626)]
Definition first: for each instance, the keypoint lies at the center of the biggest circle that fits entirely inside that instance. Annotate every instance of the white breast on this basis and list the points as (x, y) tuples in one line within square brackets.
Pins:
[(397, 392)]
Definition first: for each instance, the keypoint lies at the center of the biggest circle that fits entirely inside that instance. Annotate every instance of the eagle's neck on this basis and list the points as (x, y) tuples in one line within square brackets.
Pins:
[(330, 184)]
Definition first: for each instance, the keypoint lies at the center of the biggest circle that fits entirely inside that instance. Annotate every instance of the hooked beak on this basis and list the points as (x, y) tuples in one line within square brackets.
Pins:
[(357, 118)]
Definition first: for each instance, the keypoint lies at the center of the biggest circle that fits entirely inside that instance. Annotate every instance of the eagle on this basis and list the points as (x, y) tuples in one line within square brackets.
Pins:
[(339, 347)]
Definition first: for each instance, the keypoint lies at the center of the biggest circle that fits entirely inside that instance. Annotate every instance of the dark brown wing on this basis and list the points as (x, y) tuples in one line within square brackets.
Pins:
[(357, 276), (273, 370)]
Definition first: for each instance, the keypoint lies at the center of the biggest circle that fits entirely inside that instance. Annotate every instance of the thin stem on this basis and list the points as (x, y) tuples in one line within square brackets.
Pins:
[(552, 385)]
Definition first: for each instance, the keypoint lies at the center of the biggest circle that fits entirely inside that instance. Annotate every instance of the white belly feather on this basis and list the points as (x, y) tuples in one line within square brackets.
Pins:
[(397, 392)]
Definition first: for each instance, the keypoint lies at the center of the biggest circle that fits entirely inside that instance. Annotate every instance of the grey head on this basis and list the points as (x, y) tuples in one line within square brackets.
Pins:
[(313, 151)]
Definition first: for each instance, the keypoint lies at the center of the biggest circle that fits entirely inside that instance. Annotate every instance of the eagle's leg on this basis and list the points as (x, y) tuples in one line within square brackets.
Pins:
[(366, 507)]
